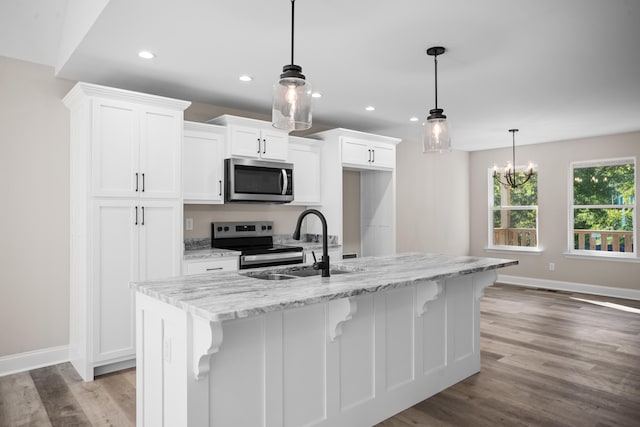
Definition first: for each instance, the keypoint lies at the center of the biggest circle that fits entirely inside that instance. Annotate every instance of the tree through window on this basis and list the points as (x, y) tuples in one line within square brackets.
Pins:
[(603, 206), (514, 221)]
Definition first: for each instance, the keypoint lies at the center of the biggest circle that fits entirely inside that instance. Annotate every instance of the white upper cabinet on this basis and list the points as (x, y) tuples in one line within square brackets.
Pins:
[(370, 155), (203, 163), (135, 150), (253, 138), (305, 154), (161, 152)]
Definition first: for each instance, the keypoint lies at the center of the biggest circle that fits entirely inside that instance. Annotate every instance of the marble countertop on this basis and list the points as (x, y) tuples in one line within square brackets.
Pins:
[(233, 295), (204, 254)]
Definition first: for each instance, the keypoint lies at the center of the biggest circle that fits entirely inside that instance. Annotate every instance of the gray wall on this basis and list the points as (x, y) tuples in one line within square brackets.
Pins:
[(553, 161), (34, 216)]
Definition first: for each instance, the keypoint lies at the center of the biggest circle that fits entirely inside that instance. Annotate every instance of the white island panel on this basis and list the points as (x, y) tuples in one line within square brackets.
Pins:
[(317, 352)]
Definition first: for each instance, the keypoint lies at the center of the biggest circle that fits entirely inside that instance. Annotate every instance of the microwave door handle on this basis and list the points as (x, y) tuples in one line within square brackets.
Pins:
[(285, 182)]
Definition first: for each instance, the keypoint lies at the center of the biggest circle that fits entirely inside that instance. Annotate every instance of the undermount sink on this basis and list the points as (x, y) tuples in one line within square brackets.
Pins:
[(296, 272)]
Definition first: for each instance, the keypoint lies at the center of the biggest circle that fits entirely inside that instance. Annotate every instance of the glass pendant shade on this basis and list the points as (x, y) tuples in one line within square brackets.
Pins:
[(291, 94), (291, 103), (436, 137)]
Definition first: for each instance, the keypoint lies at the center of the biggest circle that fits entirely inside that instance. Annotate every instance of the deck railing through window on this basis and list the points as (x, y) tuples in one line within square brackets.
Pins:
[(525, 237), (603, 240), (590, 240)]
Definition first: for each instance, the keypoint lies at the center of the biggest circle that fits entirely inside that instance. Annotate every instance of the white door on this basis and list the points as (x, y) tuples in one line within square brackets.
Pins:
[(203, 167), (115, 254), (383, 156), (114, 149), (160, 239), (306, 173), (355, 152), (245, 141), (160, 153), (274, 145)]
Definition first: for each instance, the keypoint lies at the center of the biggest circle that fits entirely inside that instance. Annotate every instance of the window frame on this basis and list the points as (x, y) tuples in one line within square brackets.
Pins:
[(492, 246), (571, 250)]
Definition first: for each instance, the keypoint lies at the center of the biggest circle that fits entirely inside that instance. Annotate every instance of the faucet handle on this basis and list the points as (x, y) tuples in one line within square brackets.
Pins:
[(315, 261)]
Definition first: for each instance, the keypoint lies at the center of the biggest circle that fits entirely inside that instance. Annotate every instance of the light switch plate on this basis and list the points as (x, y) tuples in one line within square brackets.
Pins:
[(188, 224)]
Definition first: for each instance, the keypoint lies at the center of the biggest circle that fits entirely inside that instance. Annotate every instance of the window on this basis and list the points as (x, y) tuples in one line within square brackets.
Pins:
[(513, 222), (603, 208)]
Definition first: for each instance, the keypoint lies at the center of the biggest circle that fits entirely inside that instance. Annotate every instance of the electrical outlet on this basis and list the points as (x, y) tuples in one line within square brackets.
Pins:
[(552, 266), (188, 224)]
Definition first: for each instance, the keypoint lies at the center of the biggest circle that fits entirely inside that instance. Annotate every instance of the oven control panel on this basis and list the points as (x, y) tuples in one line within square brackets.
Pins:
[(220, 230)]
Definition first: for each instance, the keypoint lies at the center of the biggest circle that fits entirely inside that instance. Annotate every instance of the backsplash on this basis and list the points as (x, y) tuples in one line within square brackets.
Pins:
[(284, 217)]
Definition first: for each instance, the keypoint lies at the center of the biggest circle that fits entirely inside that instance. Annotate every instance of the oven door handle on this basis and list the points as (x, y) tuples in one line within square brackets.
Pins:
[(285, 182)]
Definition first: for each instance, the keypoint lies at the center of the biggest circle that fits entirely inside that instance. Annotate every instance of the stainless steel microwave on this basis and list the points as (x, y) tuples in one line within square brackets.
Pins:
[(257, 181)]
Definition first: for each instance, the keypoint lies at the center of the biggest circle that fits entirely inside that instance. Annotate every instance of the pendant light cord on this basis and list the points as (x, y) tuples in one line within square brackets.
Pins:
[(435, 61), (293, 5), (513, 139)]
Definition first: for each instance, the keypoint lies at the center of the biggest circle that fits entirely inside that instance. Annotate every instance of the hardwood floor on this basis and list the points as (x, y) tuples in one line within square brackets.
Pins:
[(547, 360)]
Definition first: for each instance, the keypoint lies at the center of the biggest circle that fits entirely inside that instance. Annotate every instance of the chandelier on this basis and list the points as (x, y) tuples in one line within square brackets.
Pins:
[(510, 173)]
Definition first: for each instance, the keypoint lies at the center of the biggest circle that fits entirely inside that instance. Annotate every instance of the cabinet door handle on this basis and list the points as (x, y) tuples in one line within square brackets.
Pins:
[(136, 223), (258, 146), (143, 185), (369, 161), (214, 268), (373, 160), (264, 146), (136, 181), (220, 185), (142, 216)]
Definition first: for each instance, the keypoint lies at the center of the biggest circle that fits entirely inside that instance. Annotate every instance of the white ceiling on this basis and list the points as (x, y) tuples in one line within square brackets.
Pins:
[(555, 69)]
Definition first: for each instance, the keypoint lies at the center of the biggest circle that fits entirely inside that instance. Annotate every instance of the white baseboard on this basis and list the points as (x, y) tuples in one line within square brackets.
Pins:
[(570, 287), (21, 362)]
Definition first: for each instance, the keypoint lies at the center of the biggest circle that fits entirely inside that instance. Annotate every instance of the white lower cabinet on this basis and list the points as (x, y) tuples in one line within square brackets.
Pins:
[(209, 266), (132, 240)]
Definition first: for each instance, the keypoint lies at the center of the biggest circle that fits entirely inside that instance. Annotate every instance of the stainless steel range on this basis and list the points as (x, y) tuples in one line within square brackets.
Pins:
[(254, 240)]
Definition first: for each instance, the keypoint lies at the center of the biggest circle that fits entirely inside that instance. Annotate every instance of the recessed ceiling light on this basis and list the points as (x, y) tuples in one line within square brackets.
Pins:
[(316, 95), (414, 119), (245, 78), (370, 108), (145, 54)]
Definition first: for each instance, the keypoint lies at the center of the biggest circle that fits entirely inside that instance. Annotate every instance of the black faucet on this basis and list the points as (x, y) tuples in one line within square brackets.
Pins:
[(324, 261)]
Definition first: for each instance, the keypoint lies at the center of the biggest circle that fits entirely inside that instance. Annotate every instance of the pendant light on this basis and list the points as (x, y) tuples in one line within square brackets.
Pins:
[(436, 138), (510, 173), (291, 95)]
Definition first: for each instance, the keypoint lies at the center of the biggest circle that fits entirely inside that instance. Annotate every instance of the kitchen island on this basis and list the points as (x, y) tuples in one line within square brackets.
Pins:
[(234, 349)]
